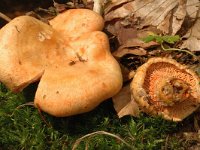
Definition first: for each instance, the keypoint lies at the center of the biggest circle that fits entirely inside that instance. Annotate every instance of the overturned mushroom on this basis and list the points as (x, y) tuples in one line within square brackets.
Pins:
[(164, 87), (75, 67)]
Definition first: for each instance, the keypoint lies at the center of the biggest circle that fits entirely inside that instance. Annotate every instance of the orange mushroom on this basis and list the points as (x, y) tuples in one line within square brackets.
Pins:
[(164, 87), (76, 22), (75, 67), (25, 44)]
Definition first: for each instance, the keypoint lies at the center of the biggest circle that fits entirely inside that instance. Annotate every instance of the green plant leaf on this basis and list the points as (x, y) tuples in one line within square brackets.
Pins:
[(158, 39), (171, 39), (149, 38)]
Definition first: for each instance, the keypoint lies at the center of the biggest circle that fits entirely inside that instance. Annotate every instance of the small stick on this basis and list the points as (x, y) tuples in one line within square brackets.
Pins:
[(26, 104), (77, 142), (39, 111), (43, 118), (98, 6), (177, 49), (6, 18)]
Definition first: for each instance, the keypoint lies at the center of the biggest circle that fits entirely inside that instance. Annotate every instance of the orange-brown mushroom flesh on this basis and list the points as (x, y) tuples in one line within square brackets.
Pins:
[(167, 84), (163, 86), (71, 58), (83, 21), (81, 86)]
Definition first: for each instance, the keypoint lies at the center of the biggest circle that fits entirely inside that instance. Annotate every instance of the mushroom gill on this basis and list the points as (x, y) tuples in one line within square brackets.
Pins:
[(164, 87)]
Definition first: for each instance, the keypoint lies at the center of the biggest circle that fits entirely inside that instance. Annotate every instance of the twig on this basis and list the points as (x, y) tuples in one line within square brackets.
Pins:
[(3, 16), (98, 6), (39, 111), (177, 49), (26, 104), (77, 142), (43, 118)]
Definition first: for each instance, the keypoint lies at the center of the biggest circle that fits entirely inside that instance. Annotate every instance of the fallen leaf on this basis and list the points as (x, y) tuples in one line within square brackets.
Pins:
[(125, 73), (127, 19), (124, 34), (174, 18), (135, 42), (192, 9), (167, 16), (150, 12), (121, 52), (124, 104), (130, 40), (192, 41), (114, 3)]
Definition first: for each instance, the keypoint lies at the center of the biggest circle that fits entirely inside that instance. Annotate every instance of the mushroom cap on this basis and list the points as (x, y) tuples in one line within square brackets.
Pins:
[(25, 44), (80, 87), (75, 74), (84, 21), (164, 87)]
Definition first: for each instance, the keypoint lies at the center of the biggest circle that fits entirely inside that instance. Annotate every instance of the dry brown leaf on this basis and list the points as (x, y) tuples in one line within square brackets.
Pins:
[(113, 4), (177, 17), (126, 19), (124, 34), (125, 73), (133, 46), (130, 36), (124, 51), (193, 38), (192, 9), (168, 16), (120, 12), (124, 104), (135, 42)]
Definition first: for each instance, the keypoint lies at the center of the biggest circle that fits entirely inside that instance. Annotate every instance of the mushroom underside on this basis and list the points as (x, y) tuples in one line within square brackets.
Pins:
[(168, 89)]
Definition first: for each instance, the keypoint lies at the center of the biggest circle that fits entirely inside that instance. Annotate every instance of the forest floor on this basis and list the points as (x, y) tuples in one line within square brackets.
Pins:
[(24, 127)]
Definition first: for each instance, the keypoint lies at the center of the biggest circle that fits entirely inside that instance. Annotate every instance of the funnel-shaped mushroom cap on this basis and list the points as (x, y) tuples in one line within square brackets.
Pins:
[(75, 76), (164, 87)]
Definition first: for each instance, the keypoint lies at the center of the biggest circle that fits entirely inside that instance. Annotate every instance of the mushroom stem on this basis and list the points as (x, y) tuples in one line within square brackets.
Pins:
[(172, 91)]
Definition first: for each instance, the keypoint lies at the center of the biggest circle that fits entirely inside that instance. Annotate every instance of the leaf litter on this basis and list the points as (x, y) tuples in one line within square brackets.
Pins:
[(176, 24)]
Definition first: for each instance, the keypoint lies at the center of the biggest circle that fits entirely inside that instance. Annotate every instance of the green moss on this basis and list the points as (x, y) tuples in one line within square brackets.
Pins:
[(24, 128)]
